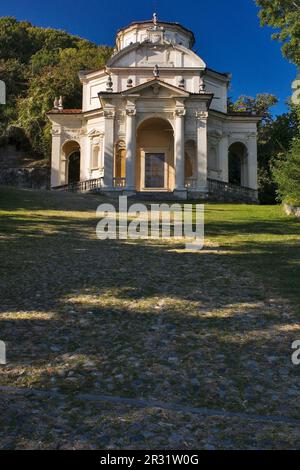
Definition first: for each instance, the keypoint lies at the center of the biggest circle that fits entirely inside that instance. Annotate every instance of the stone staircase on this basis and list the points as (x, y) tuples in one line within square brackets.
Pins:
[(218, 191)]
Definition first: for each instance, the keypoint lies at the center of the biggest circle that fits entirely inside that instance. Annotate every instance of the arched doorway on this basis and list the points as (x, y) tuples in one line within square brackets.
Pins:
[(237, 164), (71, 162), (155, 156)]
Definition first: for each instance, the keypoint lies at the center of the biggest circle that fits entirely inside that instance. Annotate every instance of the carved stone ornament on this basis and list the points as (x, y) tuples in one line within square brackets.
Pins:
[(156, 71), (131, 112), (180, 112), (109, 84), (56, 131), (156, 89)]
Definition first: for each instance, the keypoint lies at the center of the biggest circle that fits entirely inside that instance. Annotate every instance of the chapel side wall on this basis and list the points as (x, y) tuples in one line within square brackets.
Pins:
[(220, 91), (222, 133)]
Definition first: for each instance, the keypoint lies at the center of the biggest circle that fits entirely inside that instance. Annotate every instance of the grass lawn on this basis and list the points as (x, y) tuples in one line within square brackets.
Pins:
[(147, 320)]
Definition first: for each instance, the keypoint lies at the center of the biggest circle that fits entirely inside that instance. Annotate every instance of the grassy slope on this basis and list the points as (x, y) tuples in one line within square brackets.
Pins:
[(146, 319)]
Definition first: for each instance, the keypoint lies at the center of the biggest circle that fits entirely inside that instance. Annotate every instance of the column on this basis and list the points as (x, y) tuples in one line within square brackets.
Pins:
[(202, 150), (179, 149), (109, 116), (252, 162), (224, 165), (56, 157), (130, 148)]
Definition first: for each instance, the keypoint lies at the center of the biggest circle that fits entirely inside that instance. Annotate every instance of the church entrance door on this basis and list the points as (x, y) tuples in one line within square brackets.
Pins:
[(155, 170)]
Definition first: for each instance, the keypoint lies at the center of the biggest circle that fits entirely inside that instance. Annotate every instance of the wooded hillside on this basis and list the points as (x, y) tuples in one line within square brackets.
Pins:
[(38, 64)]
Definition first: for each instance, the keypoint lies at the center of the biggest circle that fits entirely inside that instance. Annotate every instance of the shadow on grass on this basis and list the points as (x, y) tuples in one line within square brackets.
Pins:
[(159, 318)]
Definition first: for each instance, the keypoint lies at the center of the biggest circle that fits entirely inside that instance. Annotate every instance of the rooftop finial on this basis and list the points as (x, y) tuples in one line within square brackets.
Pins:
[(56, 103), (109, 84), (156, 71), (155, 19), (60, 104)]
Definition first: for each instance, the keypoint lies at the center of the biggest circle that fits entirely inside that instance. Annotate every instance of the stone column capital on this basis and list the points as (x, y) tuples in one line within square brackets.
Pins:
[(180, 112), (109, 113), (201, 115)]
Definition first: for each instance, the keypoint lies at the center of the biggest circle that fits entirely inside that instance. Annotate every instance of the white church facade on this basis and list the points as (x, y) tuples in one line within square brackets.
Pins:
[(154, 120)]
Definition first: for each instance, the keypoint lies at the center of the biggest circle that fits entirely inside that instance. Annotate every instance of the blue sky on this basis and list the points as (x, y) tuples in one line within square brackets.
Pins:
[(228, 35)]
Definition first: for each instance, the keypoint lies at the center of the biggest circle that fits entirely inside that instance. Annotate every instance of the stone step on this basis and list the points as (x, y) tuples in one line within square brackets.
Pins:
[(155, 196)]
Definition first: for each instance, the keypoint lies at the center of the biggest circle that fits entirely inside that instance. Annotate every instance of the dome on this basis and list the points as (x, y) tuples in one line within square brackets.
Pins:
[(154, 31)]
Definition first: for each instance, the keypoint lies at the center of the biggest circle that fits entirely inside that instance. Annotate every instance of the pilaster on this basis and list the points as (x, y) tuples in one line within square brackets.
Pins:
[(201, 117), (179, 154), (130, 147), (56, 156), (109, 122)]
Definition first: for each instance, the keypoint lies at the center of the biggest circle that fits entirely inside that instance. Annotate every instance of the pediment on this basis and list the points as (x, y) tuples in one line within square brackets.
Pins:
[(95, 133), (156, 89)]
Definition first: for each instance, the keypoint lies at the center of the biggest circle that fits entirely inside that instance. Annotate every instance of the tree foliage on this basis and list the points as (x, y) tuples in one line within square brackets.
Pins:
[(38, 64), (286, 173), (284, 16)]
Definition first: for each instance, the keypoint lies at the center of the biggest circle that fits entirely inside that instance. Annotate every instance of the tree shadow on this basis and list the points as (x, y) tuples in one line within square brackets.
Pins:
[(146, 319)]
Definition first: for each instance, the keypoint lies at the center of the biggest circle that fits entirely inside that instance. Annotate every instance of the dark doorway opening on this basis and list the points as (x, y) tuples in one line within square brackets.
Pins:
[(74, 167)]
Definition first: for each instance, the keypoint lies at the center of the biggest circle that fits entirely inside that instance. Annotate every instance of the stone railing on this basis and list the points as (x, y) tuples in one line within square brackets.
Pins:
[(119, 183), (230, 191), (81, 186), (191, 183)]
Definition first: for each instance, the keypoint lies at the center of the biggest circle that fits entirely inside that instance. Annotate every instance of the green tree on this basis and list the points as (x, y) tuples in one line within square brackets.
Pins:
[(286, 173), (284, 16), (59, 79), (275, 139)]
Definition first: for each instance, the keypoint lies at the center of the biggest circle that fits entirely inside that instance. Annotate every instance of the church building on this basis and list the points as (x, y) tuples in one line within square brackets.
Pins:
[(154, 120)]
